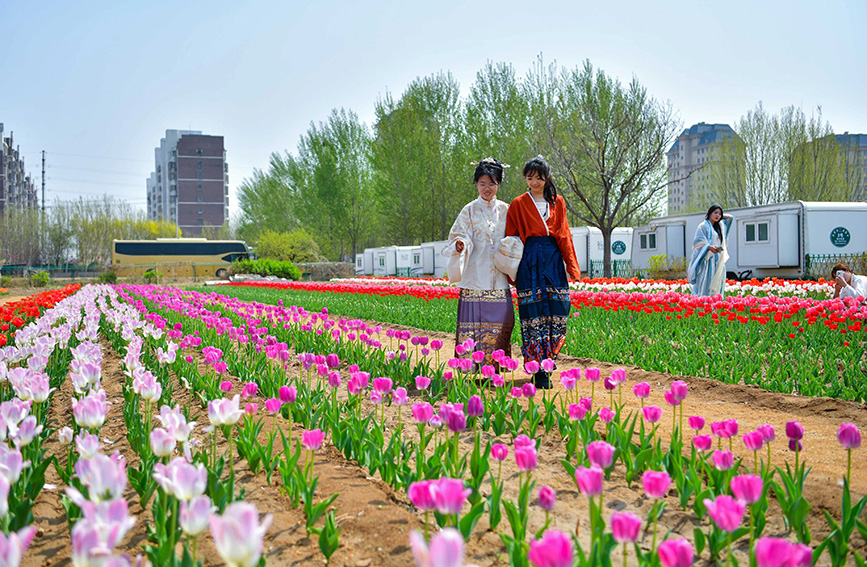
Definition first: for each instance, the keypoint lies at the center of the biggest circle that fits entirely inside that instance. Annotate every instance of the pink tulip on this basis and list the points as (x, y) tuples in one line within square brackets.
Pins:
[(422, 412), (526, 458), (272, 405), (675, 553), (606, 415), (104, 476), (577, 412), (249, 390), (225, 412), (399, 396), (181, 479), (312, 439), (446, 549), (568, 381), (334, 379), (747, 487), (696, 422), (731, 427), (553, 550), (679, 390), (656, 483), (287, 394), (548, 365), (723, 460), (849, 436), (516, 392), (475, 407), (478, 356), (421, 495), (754, 440), (531, 367), (226, 386), (436, 344), (592, 374), (422, 382), (589, 480), (456, 421), (767, 432), (450, 495), (670, 399), (499, 452), (652, 414), (382, 385), (625, 527), (332, 361), (641, 390), (524, 442), (601, 454), (618, 375), (726, 512), (547, 498), (14, 546), (529, 390), (238, 534), (587, 403), (162, 442), (195, 515), (609, 384)]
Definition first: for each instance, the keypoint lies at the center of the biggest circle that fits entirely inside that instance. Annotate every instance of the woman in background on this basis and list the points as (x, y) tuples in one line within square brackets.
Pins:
[(707, 267), (485, 310), (538, 217)]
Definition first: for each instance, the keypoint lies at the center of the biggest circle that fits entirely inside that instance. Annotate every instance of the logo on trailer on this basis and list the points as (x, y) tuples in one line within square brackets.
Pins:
[(618, 247), (840, 237)]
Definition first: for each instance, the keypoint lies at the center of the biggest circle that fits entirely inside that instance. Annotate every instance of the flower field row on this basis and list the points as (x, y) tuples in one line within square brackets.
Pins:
[(345, 383), (772, 286), (782, 344)]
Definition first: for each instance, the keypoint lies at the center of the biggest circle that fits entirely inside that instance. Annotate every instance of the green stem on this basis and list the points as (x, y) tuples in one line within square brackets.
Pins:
[(849, 467), (729, 558), (624, 554)]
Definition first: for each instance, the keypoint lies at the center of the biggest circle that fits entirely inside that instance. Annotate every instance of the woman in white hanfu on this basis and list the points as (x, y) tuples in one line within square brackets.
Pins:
[(707, 267), (486, 313)]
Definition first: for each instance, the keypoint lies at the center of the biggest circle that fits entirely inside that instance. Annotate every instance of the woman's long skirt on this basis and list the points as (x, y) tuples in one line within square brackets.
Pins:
[(543, 299), (487, 317)]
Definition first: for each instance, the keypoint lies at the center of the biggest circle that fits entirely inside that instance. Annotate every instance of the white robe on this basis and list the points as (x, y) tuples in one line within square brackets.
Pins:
[(855, 288), (480, 226)]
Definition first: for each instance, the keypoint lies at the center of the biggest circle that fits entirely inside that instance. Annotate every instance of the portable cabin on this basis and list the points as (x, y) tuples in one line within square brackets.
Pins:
[(784, 240), (432, 259), (589, 249), (359, 264), (408, 263), (385, 261)]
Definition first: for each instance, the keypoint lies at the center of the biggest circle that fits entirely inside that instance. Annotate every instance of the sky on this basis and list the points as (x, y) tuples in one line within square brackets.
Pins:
[(96, 84)]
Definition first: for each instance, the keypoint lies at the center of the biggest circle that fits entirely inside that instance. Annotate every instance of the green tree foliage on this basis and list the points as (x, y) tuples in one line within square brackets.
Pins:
[(266, 200), (296, 246)]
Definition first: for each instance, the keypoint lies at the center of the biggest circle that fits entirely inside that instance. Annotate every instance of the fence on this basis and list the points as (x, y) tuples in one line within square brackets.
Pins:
[(324, 271), (819, 265), (169, 270), (619, 269)]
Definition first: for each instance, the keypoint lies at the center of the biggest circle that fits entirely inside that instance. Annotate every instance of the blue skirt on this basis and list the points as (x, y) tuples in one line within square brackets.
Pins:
[(543, 299)]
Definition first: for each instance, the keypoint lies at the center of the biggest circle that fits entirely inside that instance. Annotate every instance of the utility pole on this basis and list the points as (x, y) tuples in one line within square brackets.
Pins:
[(43, 182)]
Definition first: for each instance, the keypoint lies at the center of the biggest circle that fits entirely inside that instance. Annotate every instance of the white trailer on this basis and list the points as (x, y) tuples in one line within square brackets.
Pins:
[(783, 240), (590, 251), (385, 261), (432, 259), (409, 262)]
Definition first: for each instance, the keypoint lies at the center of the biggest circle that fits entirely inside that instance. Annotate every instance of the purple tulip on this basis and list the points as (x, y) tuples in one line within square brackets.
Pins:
[(475, 407), (332, 361), (457, 421), (609, 384), (767, 432), (849, 436), (794, 430), (529, 390), (795, 445)]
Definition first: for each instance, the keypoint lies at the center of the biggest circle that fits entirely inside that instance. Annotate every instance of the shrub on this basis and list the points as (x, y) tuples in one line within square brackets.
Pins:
[(267, 267), (5, 281), (661, 266), (153, 277), (107, 277), (40, 279), (296, 246)]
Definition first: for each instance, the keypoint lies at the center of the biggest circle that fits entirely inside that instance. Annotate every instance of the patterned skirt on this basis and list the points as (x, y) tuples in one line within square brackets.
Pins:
[(543, 299), (487, 317)]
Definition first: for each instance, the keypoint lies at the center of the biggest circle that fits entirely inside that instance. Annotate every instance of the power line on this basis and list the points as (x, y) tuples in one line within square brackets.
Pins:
[(87, 169)]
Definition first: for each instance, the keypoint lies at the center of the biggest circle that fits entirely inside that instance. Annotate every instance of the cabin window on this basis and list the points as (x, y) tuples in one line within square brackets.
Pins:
[(359, 262), (416, 258), (757, 231), (382, 262), (647, 241)]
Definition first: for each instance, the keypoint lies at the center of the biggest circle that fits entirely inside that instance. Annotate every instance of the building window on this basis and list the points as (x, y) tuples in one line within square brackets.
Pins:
[(757, 231), (199, 199), (416, 258), (199, 165), (647, 241), (199, 152), (199, 175), (200, 210), (199, 188), (201, 222)]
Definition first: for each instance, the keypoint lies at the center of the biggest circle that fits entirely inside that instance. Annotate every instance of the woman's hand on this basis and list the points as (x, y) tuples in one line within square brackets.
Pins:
[(459, 246), (714, 249)]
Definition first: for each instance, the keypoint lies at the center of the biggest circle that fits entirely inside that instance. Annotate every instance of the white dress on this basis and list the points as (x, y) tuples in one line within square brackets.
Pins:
[(855, 288), (480, 226)]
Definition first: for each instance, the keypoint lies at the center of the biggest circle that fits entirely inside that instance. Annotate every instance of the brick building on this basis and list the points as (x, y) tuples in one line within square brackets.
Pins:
[(16, 186)]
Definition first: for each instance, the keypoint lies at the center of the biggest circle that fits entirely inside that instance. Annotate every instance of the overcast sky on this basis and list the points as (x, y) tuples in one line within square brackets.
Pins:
[(96, 84)]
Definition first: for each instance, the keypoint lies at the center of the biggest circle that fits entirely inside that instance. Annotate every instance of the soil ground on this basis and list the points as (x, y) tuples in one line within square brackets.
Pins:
[(376, 520)]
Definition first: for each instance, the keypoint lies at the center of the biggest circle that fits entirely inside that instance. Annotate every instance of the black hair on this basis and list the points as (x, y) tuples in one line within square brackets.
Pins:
[(715, 225), (540, 167), (489, 166), (839, 268)]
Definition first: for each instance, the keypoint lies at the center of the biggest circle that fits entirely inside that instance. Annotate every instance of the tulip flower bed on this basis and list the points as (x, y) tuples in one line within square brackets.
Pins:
[(820, 289), (782, 344), (161, 458), (16, 314)]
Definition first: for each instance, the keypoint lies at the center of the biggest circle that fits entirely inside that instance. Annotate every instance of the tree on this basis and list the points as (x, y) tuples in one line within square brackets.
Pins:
[(608, 145), (296, 246), (266, 200)]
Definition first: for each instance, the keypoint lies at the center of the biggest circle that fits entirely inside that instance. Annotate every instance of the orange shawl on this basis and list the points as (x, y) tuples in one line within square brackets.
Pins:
[(524, 220)]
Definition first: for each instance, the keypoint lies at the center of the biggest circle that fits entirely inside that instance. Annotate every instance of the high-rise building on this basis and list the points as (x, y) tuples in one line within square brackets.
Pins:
[(690, 154), (190, 182), (854, 155), (16, 186)]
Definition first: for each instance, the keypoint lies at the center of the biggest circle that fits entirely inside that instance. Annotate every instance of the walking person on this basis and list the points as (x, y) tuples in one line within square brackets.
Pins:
[(707, 267), (538, 217), (485, 310)]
